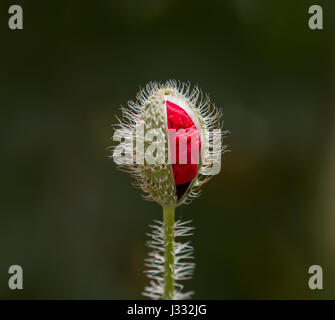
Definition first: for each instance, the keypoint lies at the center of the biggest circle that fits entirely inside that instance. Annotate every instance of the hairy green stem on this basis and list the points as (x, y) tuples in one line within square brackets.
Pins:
[(169, 263)]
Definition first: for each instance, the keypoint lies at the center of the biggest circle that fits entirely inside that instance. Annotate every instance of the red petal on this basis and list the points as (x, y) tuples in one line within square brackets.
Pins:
[(177, 118)]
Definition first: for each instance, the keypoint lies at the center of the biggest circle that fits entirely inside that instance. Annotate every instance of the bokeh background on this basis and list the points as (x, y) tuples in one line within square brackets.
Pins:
[(74, 222)]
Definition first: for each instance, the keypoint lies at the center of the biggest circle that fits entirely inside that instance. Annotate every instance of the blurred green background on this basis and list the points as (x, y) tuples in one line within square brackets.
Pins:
[(74, 222)]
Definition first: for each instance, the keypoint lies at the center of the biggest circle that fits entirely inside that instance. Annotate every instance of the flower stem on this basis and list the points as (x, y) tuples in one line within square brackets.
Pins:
[(169, 261)]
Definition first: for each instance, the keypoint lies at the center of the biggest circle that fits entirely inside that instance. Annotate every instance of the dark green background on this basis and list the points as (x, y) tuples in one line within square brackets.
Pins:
[(74, 222)]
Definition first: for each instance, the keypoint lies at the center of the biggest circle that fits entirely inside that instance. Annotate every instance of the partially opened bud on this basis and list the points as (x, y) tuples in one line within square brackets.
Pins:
[(172, 141)]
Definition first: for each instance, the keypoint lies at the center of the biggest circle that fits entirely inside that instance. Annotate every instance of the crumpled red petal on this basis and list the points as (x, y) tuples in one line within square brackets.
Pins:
[(177, 118)]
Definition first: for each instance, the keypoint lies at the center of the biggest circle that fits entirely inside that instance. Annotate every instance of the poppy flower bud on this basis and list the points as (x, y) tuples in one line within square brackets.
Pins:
[(172, 137)]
